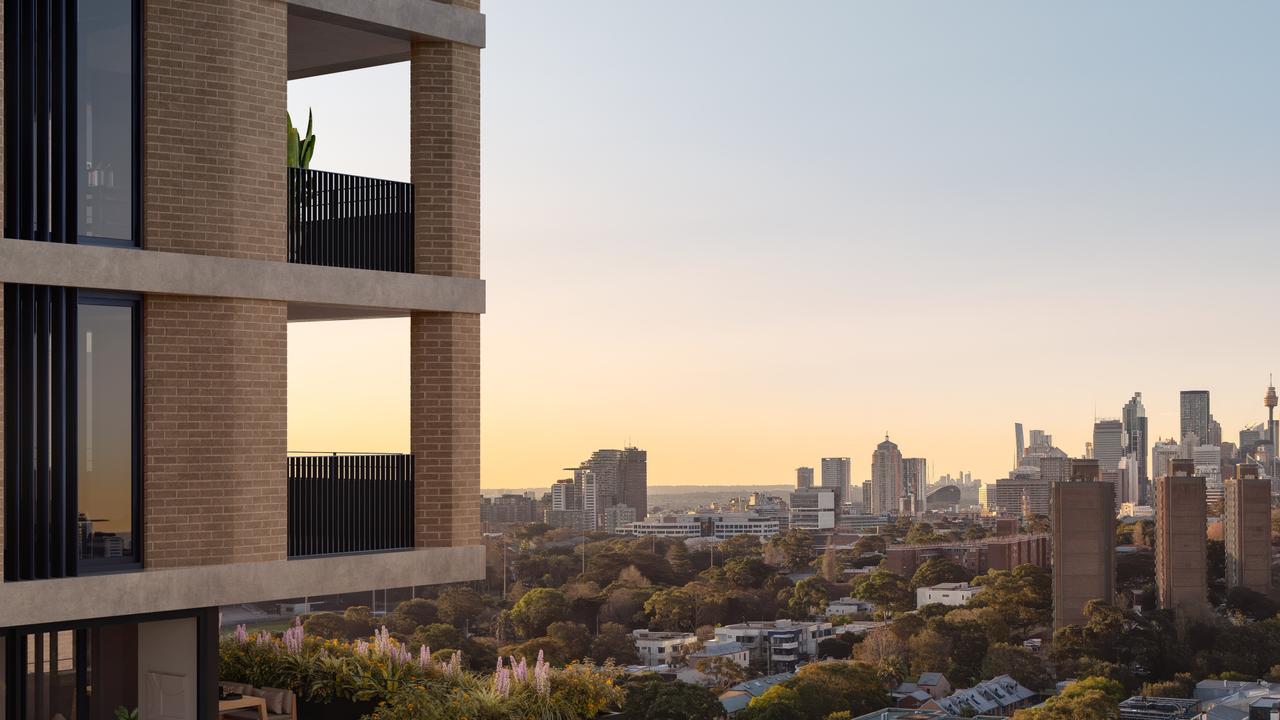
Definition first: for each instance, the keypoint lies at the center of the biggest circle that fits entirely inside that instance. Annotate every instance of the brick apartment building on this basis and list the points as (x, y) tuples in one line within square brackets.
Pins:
[(978, 556), (155, 249)]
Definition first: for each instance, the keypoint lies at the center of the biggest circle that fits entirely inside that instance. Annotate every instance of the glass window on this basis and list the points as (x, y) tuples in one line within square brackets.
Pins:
[(107, 433), (105, 104)]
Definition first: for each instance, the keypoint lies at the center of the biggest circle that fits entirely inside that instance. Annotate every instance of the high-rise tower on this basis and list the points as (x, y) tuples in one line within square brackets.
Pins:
[(1180, 541), (1019, 448), (804, 477), (1194, 414), (835, 474), (1134, 419), (1108, 448), (1269, 400), (1246, 525), (1083, 525), (886, 477)]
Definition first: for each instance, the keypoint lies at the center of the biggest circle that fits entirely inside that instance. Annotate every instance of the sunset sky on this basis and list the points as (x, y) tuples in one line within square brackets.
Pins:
[(745, 235)]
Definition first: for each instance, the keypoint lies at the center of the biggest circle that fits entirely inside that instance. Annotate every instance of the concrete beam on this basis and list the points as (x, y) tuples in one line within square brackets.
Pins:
[(148, 591), (318, 293), (408, 19)]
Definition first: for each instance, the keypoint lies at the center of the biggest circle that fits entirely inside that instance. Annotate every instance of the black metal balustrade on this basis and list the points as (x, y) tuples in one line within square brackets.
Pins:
[(349, 221), (349, 504)]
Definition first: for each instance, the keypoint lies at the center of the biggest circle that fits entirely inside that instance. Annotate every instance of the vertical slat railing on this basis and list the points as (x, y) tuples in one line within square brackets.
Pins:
[(344, 503), (347, 221)]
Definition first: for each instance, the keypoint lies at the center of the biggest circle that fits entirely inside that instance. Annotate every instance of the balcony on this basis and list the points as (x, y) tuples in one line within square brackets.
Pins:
[(348, 221), (340, 504)]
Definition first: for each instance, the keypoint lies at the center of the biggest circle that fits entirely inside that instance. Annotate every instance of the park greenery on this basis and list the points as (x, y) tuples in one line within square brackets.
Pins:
[(573, 601)]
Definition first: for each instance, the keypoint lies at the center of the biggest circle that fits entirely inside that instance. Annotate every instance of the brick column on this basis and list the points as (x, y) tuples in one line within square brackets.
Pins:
[(445, 347), (215, 369)]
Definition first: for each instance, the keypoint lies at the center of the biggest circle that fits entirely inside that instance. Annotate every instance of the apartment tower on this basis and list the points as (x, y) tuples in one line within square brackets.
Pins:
[(886, 477), (1194, 414), (835, 475), (156, 247), (804, 477), (1180, 541), (1246, 525), (1083, 525)]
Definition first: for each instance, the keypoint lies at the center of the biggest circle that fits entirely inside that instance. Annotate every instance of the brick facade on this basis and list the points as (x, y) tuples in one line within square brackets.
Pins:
[(214, 441), (444, 107), (445, 347), (215, 93), (444, 427)]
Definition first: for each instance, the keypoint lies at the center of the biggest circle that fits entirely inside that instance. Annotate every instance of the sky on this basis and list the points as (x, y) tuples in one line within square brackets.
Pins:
[(746, 235)]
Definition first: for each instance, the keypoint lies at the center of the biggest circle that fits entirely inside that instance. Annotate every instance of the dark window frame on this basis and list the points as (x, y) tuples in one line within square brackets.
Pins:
[(133, 301), (135, 78)]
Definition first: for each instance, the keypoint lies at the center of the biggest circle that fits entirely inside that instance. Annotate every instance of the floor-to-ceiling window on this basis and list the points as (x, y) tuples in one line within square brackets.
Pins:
[(106, 477), (105, 121)]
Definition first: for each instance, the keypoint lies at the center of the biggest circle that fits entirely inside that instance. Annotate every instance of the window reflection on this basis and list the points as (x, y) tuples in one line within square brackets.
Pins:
[(104, 95), (106, 433)]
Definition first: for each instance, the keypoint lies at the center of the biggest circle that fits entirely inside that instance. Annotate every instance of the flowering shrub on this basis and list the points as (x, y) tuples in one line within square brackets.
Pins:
[(415, 686)]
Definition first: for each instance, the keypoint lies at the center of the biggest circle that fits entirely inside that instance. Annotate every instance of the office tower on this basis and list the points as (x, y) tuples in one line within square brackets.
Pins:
[(1134, 418), (1246, 525), (633, 475), (886, 477), (1083, 526), (1108, 448), (1022, 494), (1253, 442), (1130, 482), (1040, 438), (1018, 447), (1180, 541), (1194, 407), (804, 477), (183, 248), (835, 475), (1162, 453), (915, 481), (1215, 432), (1055, 469), (866, 495)]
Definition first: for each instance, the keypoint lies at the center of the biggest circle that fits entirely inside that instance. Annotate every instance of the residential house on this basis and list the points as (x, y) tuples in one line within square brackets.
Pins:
[(736, 698), (1000, 696), (777, 644), (663, 648)]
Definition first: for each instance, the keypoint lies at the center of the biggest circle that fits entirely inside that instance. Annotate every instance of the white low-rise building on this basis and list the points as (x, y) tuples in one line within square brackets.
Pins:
[(726, 649), (662, 648), (849, 606), (717, 525), (946, 594), (777, 644)]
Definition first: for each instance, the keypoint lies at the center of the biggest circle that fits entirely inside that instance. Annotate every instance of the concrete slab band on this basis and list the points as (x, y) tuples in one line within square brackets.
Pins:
[(94, 596), (413, 19), (149, 271)]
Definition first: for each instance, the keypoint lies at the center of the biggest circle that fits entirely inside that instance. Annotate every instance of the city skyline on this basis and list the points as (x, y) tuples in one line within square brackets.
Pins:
[(742, 286)]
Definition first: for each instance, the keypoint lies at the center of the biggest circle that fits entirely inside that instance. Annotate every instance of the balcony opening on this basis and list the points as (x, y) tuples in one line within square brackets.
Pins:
[(350, 477)]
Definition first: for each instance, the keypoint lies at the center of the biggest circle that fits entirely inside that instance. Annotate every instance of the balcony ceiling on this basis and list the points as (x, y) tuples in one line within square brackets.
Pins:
[(318, 47), (328, 36)]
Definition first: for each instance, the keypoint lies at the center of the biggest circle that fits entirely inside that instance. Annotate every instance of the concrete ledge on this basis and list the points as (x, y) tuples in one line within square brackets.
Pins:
[(310, 288), (409, 19), (148, 591)]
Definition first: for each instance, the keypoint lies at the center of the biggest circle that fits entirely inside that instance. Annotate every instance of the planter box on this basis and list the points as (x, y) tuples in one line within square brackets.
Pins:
[(336, 710)]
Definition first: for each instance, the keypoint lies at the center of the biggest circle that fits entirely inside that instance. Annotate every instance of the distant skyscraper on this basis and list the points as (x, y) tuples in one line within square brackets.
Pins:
[(1019, 448), (886, 477), (1180, 541), (1246, 525), (1162, 453), (804, 477), (915, 481), (1040, 438), (1273, 442), (633, 474), (1194, 406), (1134, 418), (1108, 449), (1083, 525), (835, 474)]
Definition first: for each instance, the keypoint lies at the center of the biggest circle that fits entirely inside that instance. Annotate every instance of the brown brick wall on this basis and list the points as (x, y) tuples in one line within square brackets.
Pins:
[(445, 347), (215, 99), (444, 428), (215, 413), (2, 479), (444, 98)]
